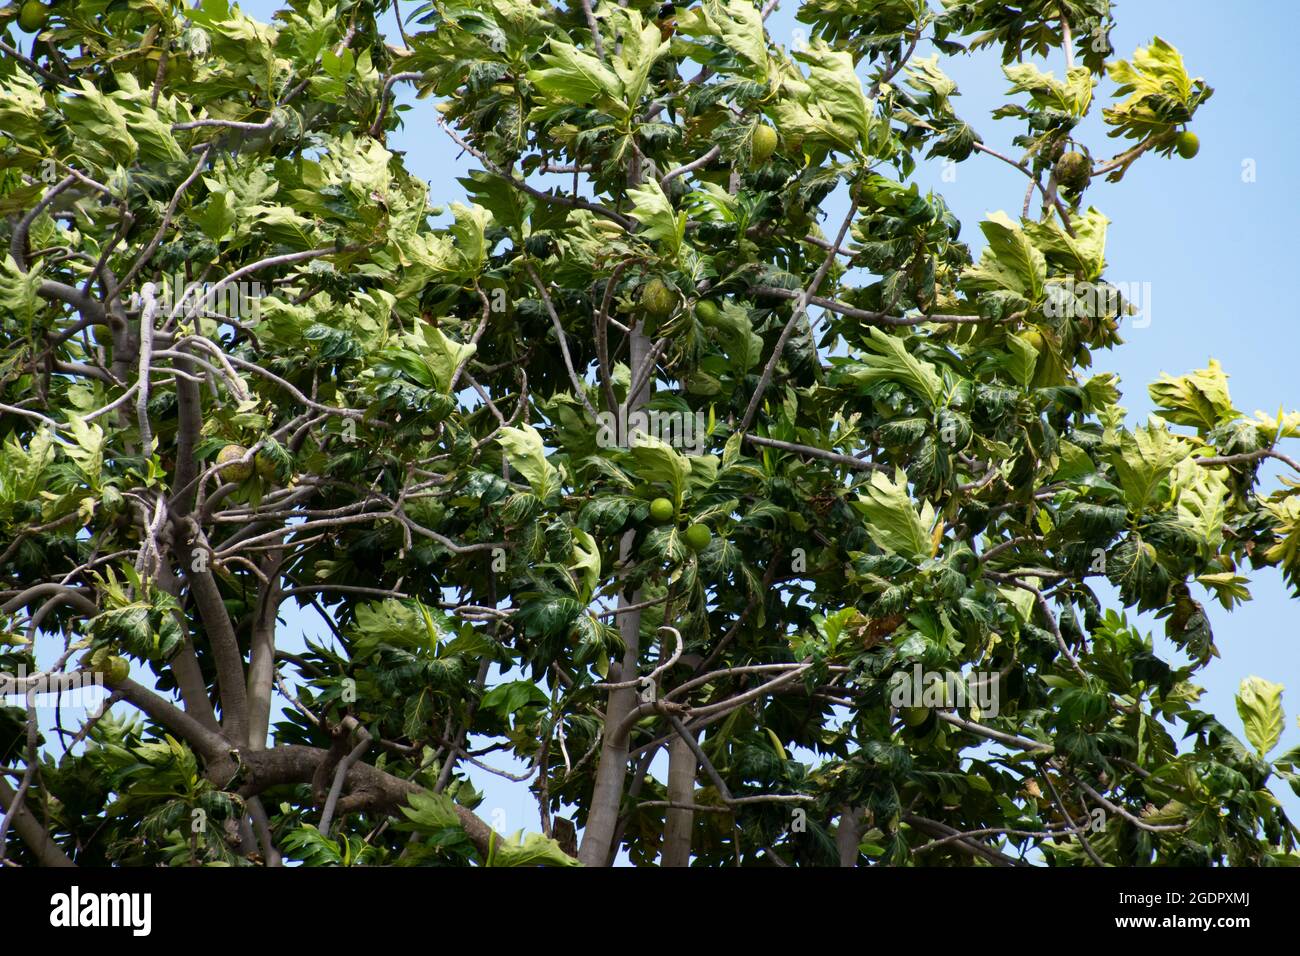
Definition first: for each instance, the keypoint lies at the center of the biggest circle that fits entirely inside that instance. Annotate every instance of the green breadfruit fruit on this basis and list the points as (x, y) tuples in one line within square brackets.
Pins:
[(658, 299), (762, 146), (1074, 171)]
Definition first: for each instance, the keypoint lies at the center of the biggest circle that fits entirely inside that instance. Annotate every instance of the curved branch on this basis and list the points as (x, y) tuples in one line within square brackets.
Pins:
[(800, 311), (866, 315), (858, 464), (365, 787)]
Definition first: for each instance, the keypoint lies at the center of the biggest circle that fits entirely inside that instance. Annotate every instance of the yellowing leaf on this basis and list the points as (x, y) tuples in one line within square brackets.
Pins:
[(828, 110), (1155, 83), (657, 461), (1073, 95), (1010, 262), (837, 89), (440, 355), (776, 743), (576, 77), (740, 26), (1259, 702), (531, 850), (1230, 589), (1022, 359), (1144, 458), (1084, 252), (586, 562), (641, 44), (655, 214), (1286, 552), (892, 519), (524, 450), (1286, 425), (1202, 502), (890, 361), (1200, 399)]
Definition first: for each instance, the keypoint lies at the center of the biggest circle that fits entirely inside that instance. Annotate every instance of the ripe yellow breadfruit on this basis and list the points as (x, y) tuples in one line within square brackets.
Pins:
[(231, 468), (762, 146)]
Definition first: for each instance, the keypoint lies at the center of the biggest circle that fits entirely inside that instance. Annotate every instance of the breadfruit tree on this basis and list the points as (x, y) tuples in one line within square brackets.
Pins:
[(637, 454)]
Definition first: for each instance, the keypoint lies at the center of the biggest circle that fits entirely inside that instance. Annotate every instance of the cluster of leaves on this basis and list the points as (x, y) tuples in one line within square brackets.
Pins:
[(925, 474)]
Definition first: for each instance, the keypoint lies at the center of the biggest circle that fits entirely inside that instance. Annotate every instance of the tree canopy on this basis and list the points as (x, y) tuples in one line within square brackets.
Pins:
[(637, 453)]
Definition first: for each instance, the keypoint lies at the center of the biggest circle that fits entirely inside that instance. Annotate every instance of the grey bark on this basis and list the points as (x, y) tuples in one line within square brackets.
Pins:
[(612, 769), (848, 835), (682, 766)]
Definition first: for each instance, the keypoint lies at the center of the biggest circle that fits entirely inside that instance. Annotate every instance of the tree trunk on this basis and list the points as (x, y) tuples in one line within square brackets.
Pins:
[(682, 766), (848, 835), (261, 663), (607, 794)]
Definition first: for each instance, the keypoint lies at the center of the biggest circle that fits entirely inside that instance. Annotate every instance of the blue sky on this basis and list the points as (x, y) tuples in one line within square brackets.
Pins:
[(1215, 249)]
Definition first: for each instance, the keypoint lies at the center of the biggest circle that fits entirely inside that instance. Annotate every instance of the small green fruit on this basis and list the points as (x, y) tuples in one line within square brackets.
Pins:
[(762, 145), (33, 16), (95, 660), (116, 669), (662, 511), (698, 537), (1074, 171), (170, 68), (267, 469), (1187, 143), (657, 299), (914, 716), (707, 312), (231, 468)]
